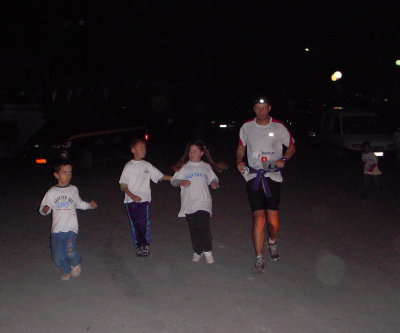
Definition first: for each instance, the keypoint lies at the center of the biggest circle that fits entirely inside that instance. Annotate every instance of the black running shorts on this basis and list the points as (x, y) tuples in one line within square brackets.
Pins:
[(258, 199)]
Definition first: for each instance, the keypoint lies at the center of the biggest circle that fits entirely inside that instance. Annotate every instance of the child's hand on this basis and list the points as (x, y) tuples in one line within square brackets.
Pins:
[(185, 183), (136, 198), (214, 185), (45, 209), (93, 204)]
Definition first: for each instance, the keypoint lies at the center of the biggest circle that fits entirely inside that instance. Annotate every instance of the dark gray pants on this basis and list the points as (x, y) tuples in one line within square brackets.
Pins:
[(372, 180), (200, 231)]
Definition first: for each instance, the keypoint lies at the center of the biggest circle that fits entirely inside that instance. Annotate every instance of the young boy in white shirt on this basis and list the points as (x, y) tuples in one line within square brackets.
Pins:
[(135, 183), (63, 200)]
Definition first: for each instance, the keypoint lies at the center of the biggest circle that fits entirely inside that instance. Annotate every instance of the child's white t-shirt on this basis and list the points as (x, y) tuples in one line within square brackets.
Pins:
[(63, 202), (137, 175), (369, 160), (196, 196)]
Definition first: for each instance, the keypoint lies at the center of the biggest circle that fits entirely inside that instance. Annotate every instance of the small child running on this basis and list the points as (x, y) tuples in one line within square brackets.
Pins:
[(63, 200), (371, 170), (135, 183), (193, 175)]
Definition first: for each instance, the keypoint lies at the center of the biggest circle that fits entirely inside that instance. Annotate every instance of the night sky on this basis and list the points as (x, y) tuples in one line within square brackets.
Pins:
[(230, 50)]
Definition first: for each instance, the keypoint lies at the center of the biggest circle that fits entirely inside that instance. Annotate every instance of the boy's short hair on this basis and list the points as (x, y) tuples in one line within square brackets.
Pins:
[(134, 142), (60, 163)]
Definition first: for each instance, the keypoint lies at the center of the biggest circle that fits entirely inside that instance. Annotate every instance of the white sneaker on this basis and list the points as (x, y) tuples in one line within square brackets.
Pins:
[(196, 257), (209, 257), (65, 277), (76, 271)]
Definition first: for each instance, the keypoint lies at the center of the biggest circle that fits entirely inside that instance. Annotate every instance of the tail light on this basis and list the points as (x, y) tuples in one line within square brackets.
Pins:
[(41, 161)]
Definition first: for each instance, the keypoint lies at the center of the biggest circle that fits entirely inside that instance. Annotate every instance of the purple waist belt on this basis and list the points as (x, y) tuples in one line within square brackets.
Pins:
[(260, 177)]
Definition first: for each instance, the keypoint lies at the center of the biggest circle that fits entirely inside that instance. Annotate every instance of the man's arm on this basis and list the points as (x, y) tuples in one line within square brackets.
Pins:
[(240, 153), (290, 151)]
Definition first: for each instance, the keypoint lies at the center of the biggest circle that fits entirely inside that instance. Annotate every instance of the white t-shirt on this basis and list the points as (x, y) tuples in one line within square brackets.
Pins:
[(197, 195), (369, 160), (63, 202), (264, 144), (137, 175)]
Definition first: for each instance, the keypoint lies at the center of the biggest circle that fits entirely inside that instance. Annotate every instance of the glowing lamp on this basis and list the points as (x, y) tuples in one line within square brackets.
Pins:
[(336, 76)]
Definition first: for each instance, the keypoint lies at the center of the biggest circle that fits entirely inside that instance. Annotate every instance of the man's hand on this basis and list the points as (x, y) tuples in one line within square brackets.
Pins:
[(45, 209), (240, 166), (185, 183), (280, 164), (240, 152)]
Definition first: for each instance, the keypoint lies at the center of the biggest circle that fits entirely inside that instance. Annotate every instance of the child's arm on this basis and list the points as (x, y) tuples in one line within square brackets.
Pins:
[(125, 189), (44, 210), (166, 177), (214, 185), (180, 182), (372, 167), (93, 204), (177, 181), (45, 205), (80, 204)]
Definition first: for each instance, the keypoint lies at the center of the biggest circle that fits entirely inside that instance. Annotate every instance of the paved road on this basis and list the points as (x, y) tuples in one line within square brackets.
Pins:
[(339, 268)]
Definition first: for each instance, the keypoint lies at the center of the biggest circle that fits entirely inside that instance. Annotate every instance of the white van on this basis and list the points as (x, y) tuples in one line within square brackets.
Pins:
[(348, 128)]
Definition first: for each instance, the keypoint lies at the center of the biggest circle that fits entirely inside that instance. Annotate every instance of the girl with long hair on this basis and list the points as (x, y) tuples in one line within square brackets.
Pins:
[(194, 175)]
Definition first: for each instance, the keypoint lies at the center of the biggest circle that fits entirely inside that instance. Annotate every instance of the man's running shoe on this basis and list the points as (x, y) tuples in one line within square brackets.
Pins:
[(196, 257), (273, 251), (139, 252), (259, 265)]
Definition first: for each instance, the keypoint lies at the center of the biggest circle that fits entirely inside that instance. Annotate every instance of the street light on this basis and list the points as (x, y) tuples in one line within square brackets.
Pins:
[(336, 76)]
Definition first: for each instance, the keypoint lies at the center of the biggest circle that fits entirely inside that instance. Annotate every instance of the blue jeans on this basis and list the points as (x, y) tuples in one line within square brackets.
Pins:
[(65, 253)]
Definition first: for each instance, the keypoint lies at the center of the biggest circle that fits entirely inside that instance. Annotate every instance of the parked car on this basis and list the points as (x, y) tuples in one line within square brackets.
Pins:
[(348, 128), (83, 149)]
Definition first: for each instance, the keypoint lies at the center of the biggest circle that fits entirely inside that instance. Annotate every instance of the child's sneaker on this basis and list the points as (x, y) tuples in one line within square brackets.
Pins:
[(209, 257), (76, 271), (145, 250), (139, 252), (259, 265), (197, 257), (273, 251), (65, 277)]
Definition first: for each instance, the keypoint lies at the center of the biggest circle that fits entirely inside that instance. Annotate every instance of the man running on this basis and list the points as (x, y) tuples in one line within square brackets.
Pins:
[(263, 138)]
